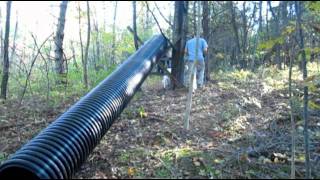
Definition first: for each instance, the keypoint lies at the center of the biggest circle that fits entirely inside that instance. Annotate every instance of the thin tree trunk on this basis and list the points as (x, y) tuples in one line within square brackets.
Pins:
[(1, 39), (293, 127), (60, 69), (74, 56), (298, 7), (313, 45), (134, 20), (284, 17), (277, 30), (14, 41), (245, 36), (235, 30), (81, 44), (132, 32), (194, 16), (260, 17), (85, 65), (205, 27), (114, 33), (32, 64), (104, 15), (5, 76), (96, 51), (267, 25)]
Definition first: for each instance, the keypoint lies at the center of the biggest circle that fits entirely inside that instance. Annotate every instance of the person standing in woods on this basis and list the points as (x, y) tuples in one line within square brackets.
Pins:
[(190, 52)]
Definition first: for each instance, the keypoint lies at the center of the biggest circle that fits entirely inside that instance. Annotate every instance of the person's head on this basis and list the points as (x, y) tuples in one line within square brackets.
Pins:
[(194, 35), (191, 35)]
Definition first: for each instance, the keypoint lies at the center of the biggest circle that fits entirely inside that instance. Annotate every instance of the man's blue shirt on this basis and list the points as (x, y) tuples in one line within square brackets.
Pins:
[(191, 48)]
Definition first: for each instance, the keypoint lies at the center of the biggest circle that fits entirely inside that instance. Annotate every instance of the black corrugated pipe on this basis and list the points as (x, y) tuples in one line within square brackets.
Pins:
[(60, 149)]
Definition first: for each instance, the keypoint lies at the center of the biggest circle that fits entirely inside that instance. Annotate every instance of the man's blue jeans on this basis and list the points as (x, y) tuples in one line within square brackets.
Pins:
[(198, 73)]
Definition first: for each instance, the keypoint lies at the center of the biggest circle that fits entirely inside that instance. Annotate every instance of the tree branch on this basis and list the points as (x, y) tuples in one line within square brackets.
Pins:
[(33, 61), (167, 21), (159, 25)]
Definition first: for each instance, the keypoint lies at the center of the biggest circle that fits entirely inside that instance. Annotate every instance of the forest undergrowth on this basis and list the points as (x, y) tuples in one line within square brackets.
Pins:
[(239, 129)]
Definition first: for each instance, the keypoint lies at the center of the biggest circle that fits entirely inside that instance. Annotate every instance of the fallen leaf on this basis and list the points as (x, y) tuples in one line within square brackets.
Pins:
[(131, 171)]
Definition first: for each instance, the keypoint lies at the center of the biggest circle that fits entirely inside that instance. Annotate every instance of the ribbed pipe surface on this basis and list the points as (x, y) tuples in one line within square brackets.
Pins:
[(60, 149)]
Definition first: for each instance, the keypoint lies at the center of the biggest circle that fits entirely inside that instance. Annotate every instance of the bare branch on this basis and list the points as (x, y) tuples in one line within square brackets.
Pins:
[(159, 25), (32, 64), (167, 21)]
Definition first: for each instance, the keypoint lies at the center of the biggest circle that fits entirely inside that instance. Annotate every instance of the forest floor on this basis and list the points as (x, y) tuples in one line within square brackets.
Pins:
[(240, 128)]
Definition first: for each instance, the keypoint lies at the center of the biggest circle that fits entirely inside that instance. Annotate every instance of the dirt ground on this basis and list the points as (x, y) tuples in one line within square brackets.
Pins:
[(235, 132)]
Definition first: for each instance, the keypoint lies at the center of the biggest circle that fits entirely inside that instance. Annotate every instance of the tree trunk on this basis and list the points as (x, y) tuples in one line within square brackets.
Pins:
[(114, 33), (267, 25), (14, 41), (1, 40), (134, 20), (298, 7), (277, 31), (5, 76), (179, 40), (81, 44), (284, 13), (313, 45), (293, 127), (96, 50), (245, 36), (85, 65), (284, 23), (260, 17), (58, 40), (74, 55), (205, 27), (235, 30)]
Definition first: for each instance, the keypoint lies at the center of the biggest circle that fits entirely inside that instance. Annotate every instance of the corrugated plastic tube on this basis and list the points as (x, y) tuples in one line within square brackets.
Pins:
[(61, 148)]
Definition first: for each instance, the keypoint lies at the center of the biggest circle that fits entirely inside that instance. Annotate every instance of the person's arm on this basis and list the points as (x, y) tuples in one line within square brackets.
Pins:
[(205, 47), (186, 49)]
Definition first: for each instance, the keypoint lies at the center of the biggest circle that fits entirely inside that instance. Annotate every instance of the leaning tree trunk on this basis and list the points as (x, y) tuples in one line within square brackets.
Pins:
[(58, 40), (5, 76)]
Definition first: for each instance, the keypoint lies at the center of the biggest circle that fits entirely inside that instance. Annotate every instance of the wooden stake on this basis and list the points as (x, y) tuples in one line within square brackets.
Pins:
[(189, 101)]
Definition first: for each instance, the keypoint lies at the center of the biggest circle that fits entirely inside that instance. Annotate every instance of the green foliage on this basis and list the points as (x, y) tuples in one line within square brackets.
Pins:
[(125, 47), (3, 156), (309, 51), (98, 76), (313, 6), (230, 111), (162, 172), (270, 43), (142, 113), (241, 74), (289, 29), (296, 105)]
